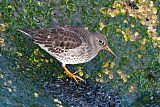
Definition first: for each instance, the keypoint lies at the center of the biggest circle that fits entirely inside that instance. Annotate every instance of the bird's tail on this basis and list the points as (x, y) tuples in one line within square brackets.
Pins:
[(28, 32)]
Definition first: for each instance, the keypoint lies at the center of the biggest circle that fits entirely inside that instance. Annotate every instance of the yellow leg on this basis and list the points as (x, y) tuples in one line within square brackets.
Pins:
[(76, 78)]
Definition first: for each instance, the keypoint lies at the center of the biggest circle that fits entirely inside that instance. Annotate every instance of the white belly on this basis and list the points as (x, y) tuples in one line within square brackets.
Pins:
[(72, 56)]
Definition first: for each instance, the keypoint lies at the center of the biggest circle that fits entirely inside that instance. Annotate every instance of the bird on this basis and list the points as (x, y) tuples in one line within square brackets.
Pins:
[(69, 44)]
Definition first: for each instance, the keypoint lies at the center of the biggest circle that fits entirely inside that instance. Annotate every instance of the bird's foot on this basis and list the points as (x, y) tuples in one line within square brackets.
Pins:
[(69, 74)]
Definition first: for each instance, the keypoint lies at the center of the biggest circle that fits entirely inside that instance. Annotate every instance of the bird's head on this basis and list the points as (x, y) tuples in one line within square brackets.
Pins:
[(101, 43)]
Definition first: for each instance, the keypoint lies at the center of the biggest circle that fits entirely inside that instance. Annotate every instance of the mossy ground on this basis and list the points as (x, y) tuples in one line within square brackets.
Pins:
[(132, 30)]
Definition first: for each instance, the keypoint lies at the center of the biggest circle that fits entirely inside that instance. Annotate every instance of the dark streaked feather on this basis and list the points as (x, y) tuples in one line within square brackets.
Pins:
[(81, 31), (56, 39)]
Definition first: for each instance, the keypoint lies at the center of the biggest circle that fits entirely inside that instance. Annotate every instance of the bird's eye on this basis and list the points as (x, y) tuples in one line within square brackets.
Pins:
[(101, 42)]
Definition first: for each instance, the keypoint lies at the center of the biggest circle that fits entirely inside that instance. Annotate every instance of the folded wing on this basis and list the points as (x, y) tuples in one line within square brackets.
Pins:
[(55, 40)]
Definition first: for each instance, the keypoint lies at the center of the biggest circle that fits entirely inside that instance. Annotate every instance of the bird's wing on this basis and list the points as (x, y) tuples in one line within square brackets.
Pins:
[(56, 39), (80, 30)]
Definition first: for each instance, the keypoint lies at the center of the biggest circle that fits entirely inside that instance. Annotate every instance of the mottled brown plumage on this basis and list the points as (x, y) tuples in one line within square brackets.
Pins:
[(69, 45)]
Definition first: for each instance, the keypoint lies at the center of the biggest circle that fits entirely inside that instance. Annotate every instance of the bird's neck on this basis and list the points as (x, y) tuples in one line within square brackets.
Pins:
[(93, 44)]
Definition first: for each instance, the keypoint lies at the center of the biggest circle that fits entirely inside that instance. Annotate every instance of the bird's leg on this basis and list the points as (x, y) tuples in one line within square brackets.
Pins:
[(76, 78)]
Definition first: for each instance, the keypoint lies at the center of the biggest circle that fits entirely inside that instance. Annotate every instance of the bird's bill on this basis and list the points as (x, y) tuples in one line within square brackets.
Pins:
[(109, 50)]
